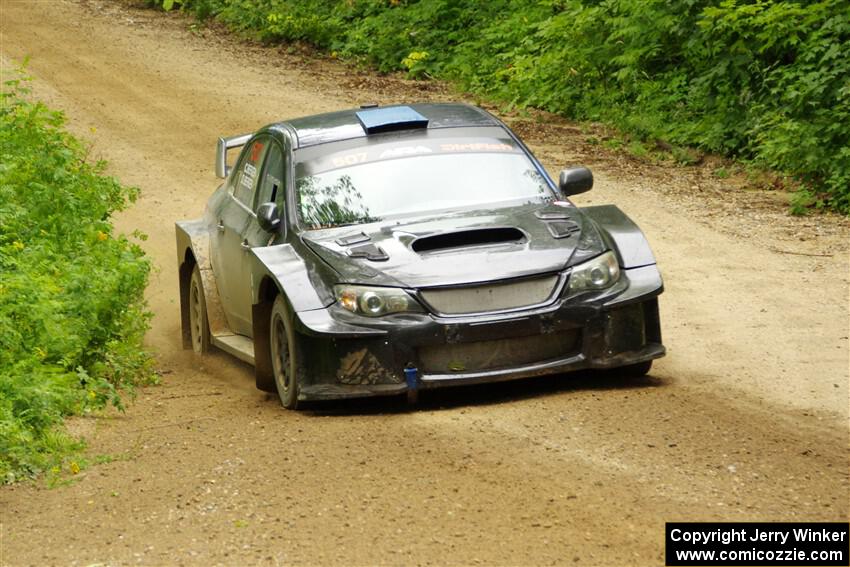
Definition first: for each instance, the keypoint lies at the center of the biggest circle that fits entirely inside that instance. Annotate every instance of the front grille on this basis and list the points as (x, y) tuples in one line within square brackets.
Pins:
[(495, 354), (491, 297)]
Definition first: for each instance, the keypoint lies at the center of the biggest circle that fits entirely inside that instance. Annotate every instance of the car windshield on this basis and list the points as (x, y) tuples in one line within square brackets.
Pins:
[(368, 186)]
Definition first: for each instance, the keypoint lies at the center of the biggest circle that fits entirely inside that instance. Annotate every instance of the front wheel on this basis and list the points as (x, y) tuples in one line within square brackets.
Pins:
[(286, 355), (635, 370), (198, 322)]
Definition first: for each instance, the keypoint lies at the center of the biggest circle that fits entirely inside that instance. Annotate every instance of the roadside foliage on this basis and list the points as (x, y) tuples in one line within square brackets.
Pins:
[(767, 82), (72, 312)]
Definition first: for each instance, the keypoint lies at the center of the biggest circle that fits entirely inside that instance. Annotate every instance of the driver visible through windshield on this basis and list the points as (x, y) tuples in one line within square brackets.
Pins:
[(373, 182)]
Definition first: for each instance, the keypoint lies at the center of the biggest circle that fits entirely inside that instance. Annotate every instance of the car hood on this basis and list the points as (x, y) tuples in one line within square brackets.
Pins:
[(458, 247)]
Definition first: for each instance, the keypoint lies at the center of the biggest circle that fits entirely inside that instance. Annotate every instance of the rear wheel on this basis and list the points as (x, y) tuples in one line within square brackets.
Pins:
[(198, 322), (286, 355)]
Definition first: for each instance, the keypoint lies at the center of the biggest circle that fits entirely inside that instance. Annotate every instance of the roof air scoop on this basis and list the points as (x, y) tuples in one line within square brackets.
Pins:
[(466, 238), (390, 119)]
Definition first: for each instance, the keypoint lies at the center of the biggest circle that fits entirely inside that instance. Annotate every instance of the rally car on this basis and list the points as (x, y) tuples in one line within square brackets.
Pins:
[(386, 250)]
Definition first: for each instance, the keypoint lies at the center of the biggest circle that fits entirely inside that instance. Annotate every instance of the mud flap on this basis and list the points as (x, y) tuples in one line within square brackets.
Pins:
[(263, 373)]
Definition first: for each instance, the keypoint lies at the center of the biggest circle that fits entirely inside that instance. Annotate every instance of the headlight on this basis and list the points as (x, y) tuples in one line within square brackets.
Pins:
[(375, 301), (599, 273)]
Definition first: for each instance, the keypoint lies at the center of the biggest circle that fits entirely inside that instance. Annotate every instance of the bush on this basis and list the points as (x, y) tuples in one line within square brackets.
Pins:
[(72, 314), (760, 80)]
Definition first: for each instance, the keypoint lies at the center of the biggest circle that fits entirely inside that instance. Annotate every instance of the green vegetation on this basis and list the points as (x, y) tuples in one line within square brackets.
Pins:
[(759, 80), (72, 313)]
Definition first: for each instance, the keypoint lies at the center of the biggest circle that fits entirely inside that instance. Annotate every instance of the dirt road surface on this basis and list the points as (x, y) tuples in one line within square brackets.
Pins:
[(746, 419)]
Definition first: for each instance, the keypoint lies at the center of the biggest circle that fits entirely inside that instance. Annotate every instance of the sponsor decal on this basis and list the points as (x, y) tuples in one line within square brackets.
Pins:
[(476, 147), (256, 150), (404, 151), (248, 174)]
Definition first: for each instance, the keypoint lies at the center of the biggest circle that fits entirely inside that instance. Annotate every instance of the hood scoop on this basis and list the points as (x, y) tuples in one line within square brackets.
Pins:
[(368, 251), (353, 239), (466, 238), (559, 223), (547, 215), (562, 228)]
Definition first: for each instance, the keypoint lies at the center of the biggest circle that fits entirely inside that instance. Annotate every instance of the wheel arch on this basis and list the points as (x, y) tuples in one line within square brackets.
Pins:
[(627, 238), (280, 270), (193, 249)]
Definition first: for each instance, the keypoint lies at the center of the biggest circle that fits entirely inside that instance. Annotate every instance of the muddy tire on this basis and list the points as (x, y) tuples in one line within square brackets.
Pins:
[(198, 322), (287, 362)]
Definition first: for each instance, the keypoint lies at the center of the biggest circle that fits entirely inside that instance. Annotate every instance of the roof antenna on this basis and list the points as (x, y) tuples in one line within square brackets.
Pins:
[(369, 105)]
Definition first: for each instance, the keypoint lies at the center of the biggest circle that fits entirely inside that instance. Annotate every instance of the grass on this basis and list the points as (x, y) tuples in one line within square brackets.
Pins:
[(72, 312)]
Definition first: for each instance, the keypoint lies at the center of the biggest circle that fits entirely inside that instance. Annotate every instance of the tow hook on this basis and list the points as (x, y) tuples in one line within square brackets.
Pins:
[(411, 375)]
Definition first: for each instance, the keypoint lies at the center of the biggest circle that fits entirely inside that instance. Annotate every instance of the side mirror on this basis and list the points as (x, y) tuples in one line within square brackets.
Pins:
[(268, 217), (574, 181)]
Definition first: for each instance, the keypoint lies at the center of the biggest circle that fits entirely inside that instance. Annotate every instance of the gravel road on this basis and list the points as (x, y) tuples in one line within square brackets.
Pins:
[(746, 419)]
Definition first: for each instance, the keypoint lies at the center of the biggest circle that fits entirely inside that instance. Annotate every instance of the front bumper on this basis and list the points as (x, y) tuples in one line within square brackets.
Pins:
[(353, 356)]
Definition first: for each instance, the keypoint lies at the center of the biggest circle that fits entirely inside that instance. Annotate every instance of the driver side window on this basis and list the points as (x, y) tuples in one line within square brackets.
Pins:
[(271, 182), (247, 173)]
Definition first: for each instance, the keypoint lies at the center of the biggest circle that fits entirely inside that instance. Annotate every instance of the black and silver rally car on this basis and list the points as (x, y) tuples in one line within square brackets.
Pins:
[(386, 250)]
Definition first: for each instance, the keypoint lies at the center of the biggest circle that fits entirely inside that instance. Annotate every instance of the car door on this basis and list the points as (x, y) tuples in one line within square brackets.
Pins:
[(270, 189), (228, 246)]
